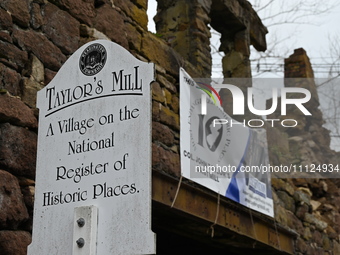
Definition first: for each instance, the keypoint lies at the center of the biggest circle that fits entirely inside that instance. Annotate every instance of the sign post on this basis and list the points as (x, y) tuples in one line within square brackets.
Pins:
[(93, 179)]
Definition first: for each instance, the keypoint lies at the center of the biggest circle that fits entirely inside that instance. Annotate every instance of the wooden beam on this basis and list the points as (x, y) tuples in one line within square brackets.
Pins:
[(196, 213)]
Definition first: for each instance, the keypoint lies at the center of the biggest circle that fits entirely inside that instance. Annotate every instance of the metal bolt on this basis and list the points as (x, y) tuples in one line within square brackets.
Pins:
[(81, 222), (80, 242)]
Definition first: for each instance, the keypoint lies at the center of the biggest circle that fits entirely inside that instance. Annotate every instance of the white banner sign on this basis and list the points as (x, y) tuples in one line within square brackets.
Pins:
[(220, 153)]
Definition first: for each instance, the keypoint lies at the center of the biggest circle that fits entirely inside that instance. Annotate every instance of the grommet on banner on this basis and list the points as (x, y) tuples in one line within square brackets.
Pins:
[(217, 212), (178, 187), (252, 222)]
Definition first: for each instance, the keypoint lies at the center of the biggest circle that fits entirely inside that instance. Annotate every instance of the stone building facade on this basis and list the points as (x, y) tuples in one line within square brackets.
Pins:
[(37, 37)]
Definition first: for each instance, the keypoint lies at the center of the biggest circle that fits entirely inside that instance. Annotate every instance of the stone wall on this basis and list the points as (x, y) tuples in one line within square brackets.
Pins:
[(310, 206), (37, 37)]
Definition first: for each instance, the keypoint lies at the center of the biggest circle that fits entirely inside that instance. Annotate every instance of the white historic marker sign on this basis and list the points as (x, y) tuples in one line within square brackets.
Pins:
[(93, 179)]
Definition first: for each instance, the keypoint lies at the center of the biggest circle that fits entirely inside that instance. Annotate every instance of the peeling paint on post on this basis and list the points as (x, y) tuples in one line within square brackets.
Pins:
[(94, 149)]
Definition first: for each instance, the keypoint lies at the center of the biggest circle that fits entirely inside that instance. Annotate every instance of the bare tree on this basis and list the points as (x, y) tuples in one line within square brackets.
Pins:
[(280, 16)]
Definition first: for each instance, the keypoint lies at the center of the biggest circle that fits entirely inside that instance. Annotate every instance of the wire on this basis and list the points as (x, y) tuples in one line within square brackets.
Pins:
[(278, 67)]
